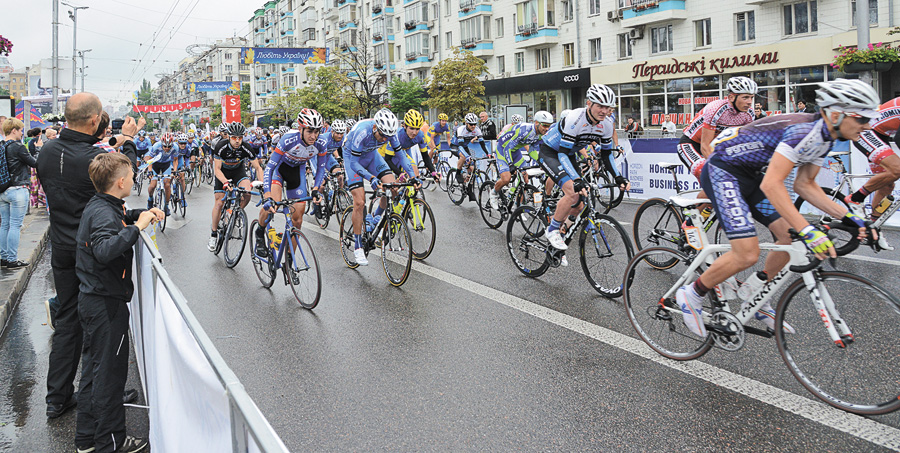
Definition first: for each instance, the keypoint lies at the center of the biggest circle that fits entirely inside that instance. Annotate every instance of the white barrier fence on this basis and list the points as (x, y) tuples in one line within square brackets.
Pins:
[(196, 401)]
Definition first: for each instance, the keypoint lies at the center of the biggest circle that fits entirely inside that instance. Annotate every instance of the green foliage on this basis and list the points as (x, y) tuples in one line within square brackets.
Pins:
[(284, 107), (454, 87), (876, 53), (327, 91), (4, 92), (406, 95), (175, 125)]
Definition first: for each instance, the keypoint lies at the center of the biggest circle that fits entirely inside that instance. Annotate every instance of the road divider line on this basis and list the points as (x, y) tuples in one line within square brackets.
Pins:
[(821, 413), (871, 259)]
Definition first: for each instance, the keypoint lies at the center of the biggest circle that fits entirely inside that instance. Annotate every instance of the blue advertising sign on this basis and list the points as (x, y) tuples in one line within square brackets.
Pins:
[(214, 86), (305, 55)]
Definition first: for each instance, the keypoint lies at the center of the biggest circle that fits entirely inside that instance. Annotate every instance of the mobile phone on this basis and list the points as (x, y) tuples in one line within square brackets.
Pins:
[(117, 126)]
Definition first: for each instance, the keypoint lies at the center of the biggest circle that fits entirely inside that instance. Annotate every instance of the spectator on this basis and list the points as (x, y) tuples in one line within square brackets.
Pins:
[(668, 126), (633, 128), (2, 120), (758, 112), (803, 107), (33, 141), (489, 129), (50, 133), (68, 190), (104, 258), (14, 200)]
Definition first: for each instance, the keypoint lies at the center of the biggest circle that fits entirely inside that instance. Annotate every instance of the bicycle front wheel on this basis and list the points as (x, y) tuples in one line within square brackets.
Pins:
[(861, 372), (303, 271), (443, 169), (657, 224), (235, 238), (526, 243), (264, 266), (159, 201), (348, 245), (396, 250), (422, 228), (493, 218), (455, 189), (657, 320), (605, 251)]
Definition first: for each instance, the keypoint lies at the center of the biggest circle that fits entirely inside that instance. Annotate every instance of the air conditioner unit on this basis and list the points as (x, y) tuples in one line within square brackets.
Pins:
[(614, 15), (636, 33)]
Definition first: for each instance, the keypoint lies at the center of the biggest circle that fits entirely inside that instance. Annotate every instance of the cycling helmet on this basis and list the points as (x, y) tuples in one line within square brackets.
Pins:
[(543, 117), (443, 116), (182, 138), (563, 114), (741, 85), (295, 125), (283, 130), (350, 123), (191, 134), (142, 133), (471, 118), (339, 127), (516, 119), (601, 94), (310, 118), (386, 122), (413, 119), (167, 139), (223, 128), (848, 96), (236, 128), (271, 128)]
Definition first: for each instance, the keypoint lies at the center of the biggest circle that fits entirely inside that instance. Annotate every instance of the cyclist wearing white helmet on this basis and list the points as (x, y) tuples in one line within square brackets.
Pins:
[(364, 163), (509, 150), (332, 142), (741, 192), (465, 136), (142, 143)]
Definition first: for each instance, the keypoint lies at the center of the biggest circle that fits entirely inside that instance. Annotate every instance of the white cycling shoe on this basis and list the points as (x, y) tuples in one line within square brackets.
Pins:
[(556, 240), (766, 314), (360, 256), (883, 243), (212, 243), (691, 306), (563, 261), (494, 201)]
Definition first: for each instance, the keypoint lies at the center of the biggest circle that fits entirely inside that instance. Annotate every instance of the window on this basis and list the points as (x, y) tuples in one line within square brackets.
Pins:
[(446, 7), (596, 54), (661, 39), (227, 56), (449, 39), (568, 10), (873, 12), (435, 44), (594, 7), (568, 54), (624, 46), (801, 18), (228, 68), (498, 27), (746, 26), (702, 36), (520, 61), (542, 58), (501, 65), (534, 14)]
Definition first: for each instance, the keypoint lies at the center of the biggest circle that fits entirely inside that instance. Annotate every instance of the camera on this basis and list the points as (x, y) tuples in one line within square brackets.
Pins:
[(117, 126)]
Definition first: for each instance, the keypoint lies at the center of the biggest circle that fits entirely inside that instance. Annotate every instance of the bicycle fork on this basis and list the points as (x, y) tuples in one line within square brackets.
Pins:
[(837, 329)]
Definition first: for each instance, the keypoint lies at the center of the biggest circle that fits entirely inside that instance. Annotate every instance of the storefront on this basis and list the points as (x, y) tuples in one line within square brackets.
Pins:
[(553, 92)]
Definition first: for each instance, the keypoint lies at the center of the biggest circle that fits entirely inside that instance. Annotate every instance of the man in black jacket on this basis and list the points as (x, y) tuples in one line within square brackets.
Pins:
[(63, 172)]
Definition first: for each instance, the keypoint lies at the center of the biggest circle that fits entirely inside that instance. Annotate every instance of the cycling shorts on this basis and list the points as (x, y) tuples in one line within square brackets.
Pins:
[(291, 178), (507, 162), (689, 153), (557, 165), (195, 152), (737, 199), (236, 175), (161, 169), (371, 162), (876, 147)]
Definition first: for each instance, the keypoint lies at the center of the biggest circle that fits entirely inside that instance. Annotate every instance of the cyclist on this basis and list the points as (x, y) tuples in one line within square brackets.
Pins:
[(412, 123), (572, 134), (163, 156), (877, 145), (142, 143), (440, 133), (228, 165), (363, 162), (332, 142), (287, 169), (184, 156), (222, 134), (741, 192), (509, 145), (350, 122), (466, 135), (513, 121), (398, 157)]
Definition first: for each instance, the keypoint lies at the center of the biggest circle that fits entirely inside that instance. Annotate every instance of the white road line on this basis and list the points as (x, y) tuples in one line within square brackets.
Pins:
[(871, 259), (854, 425)]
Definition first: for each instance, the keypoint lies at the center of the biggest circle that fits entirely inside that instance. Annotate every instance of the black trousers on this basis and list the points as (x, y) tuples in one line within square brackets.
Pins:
[(65, 350), (104, 370)]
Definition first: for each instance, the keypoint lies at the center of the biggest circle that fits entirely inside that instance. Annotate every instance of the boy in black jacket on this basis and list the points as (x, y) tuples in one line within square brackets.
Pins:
[(103, 262)]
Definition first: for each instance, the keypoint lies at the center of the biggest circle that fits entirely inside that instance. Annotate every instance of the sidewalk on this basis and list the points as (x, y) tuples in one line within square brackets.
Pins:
[(34, 237)]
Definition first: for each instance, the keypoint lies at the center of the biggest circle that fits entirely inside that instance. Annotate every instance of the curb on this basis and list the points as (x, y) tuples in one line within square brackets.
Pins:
[(32, 242)]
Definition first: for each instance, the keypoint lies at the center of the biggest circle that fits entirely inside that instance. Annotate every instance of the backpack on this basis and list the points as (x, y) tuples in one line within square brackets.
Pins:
[(5, 178)]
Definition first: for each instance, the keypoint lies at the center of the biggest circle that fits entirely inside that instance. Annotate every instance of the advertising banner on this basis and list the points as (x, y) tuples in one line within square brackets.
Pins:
[(214, 86), (163, 108), (305, 55), (231, 109)]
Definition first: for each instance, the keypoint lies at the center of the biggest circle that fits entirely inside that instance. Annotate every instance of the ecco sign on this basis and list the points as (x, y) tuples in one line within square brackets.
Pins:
[(571, 78)]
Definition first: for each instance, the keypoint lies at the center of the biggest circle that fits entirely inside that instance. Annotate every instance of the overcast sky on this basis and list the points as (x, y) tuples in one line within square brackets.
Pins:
[(121, 32)]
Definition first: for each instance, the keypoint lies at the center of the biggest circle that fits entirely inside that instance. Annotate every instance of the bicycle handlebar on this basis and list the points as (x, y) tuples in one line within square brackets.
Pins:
[(852, 244)]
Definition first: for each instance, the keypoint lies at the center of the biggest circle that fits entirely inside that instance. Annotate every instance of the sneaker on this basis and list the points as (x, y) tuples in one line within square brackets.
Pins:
[(49, 315), (16, 264), (883, 243), (856, 208), (132, 445), (691, 306), (494, 200), (766, 314), (360, 256), (563, 261), (556, 240), (213, 240)]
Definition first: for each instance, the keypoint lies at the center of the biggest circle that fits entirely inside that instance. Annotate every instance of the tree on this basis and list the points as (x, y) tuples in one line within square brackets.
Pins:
[(406, 95), (175, 125), (454, 87), (144, 97), (327, 91), (368, 87), (284, 107), (4, 92)]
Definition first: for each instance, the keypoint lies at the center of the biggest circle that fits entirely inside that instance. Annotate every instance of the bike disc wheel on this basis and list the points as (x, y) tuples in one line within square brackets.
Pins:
[(455, 189), (526, 243), (303, 271), (235, 238), (493, 218), (345, 237), (862, 376), (422, 228), (264, 266), (605, 250), (657, 224), (659, 321), (396, 250), (840, 238)]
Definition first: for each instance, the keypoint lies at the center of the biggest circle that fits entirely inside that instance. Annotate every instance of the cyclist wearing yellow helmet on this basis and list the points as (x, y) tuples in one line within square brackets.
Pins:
[(412, 136)]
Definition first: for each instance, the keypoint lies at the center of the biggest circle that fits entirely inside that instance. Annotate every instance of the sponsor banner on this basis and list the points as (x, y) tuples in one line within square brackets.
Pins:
[(214, 86), (167, 107), (301, 55), (231, 108)]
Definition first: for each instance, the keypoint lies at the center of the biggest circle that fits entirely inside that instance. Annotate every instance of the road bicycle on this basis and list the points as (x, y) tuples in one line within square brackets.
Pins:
[(207, 172), (142, 177), (470, 182), (442, 165), (295, 257), (610, 197), (177, 200), (335, 199), (515, 194), (603, 246), (390, 234), (231, 231), (843, 347), (159, 199)]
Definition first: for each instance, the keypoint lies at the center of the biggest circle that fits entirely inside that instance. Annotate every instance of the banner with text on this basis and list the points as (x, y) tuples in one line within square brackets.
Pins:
[(300, 55), (214, 86), (231, 109), (167, 107)]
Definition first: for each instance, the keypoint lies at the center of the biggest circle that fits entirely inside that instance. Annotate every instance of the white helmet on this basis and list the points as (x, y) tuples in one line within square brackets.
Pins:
[(741, 85), (849, 96), (564, 114), (543, 117), (471, 118), (386, 122), (339, 127), (601, 94), (516, 119)]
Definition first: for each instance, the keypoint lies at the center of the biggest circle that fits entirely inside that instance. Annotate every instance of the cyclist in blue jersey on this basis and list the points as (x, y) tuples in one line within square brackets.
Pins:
[(184, 156), (464, 136), (332, 142), (440, 133), (745, 177), (399, 158), (364, 163), (509, 149), (142, 143), (164, 157)]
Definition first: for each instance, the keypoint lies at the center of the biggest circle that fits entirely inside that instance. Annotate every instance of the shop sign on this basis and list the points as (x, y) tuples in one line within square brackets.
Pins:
[(702, 66), (700, 100), (685, 118)]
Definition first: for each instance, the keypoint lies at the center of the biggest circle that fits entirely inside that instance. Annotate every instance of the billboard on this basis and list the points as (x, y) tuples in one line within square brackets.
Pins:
[(194, 87), (300, 55), (231, 109), (64, 73)]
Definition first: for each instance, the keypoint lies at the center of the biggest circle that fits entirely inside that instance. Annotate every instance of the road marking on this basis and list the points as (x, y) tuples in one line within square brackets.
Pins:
[(871, 259), (852, 424)]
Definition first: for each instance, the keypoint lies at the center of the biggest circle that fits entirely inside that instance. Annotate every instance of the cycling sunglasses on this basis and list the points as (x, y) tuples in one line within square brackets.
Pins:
[(859, 118)]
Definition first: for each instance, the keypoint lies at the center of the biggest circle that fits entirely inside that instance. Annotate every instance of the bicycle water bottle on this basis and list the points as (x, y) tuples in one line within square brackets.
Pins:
[(886, 202), (752, 285)]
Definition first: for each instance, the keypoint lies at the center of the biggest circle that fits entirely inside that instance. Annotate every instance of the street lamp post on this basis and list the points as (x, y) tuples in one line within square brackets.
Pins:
[(74, 16), (83, 67)]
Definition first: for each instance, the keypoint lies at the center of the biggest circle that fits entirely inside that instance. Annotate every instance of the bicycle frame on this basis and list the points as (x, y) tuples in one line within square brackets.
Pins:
[(278, 256)]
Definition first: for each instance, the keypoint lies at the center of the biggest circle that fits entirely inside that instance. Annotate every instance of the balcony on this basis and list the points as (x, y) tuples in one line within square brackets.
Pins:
[(417, 25), (377, 7), (377, 36), (532, 36), (473, 7), (647, 12), (417, 60), (379, 65), (479, 47)]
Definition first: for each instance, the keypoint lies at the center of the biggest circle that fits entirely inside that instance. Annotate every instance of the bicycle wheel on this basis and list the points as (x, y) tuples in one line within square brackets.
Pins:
[(860, 375), (493, 218), (139, 183), (324, 214), (425, 177), (605, 250), (817, 217), (443, 169), (657, 224), (235, 238), (159, 201), (224, 220), (396, 250), (345, 236), (342, 201), (303, 271), (422, 228), (455, 189), (188, 182), (603, 196), (264, 266), (657, 320), (525, 242)]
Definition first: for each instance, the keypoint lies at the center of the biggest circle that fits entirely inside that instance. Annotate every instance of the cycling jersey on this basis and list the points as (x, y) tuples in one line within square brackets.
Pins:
[(575, 132), (511, 142), (231, 157), (438, 131), (888, 121), (292, 153), (717, 115), (329, 144), (164, 156), (142, 144), (361, 140)]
